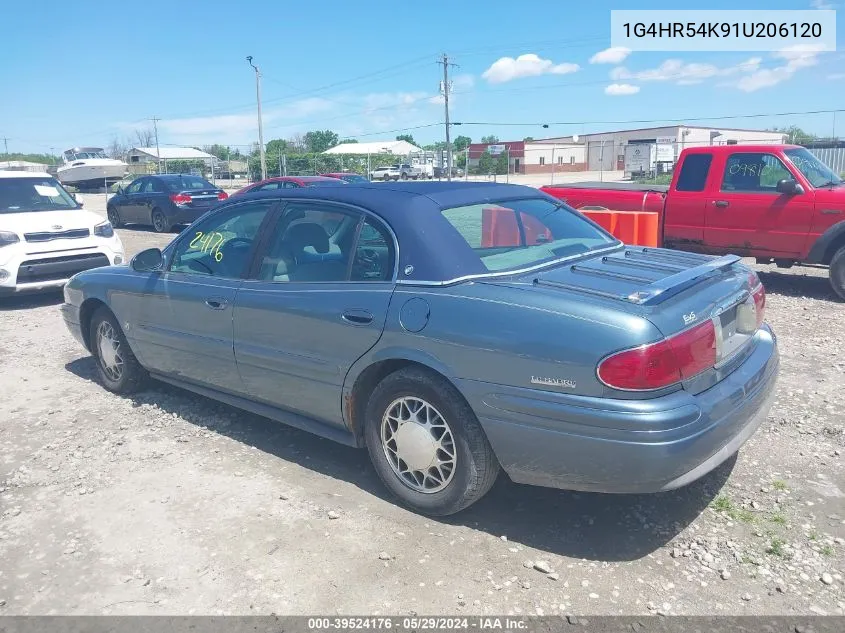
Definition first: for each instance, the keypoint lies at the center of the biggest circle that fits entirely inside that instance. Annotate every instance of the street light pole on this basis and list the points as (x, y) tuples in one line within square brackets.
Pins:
[(260, 124)]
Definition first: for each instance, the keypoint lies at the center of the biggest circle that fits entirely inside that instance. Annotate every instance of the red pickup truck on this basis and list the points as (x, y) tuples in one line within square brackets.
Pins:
[(778, 203)]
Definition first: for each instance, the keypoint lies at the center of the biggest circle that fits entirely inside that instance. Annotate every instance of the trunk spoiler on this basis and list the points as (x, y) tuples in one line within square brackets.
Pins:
[(663, 289), (658, 291)]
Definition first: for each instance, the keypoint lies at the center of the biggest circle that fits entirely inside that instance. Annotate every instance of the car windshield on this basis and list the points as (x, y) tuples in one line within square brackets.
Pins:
[(19, 195), (324, 183), (187, 183), (812, 168), (354, 178), (522, 233)]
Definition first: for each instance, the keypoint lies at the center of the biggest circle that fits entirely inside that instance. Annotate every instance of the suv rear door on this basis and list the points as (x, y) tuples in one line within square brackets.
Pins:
[(747, 215)]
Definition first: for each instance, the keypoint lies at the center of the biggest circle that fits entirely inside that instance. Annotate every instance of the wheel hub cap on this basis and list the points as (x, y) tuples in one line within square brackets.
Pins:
[(108, 347), (418, 444)]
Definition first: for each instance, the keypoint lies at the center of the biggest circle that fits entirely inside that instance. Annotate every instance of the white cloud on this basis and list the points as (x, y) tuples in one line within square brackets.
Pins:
[(237, 125), (528, 65), (612, 55), (618, 90), (836, 76), (822, 4), (683, 74), (796, 58)]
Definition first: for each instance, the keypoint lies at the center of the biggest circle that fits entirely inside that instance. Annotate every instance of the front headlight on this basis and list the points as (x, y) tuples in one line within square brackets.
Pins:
[(104, 230), (8, 237)]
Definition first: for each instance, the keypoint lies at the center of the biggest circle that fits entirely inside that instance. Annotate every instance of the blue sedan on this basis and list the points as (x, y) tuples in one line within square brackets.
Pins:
[(452, 329)]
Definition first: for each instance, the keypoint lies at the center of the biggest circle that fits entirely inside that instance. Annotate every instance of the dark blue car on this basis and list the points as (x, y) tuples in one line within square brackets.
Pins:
[(452, 329), (163, 201)]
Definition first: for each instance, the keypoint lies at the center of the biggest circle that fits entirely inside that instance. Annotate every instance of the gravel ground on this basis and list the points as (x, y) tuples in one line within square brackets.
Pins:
[(168, 503)]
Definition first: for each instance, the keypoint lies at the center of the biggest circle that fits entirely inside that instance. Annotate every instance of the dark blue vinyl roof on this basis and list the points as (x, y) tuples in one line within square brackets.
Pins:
[(427, 241)]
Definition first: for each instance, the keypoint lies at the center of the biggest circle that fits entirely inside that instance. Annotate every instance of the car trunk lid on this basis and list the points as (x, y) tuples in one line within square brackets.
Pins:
[(673, 290)]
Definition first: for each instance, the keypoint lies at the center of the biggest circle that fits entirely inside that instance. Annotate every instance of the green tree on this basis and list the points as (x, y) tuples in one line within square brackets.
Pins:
[(409, 138), (439, 146), (796, 135), (44, 159), (220, 151), (490, 139), (277, 146), (319, 141), (461, 143), (528, 139)]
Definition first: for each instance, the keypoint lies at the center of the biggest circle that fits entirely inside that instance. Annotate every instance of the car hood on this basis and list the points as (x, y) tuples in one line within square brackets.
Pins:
[(38, 221), (831, 196), (672, 289)]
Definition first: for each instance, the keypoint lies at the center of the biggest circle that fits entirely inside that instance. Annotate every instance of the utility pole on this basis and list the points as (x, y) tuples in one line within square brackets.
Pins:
[(446, 88), (6, 143), (260, 124), (155, 121)]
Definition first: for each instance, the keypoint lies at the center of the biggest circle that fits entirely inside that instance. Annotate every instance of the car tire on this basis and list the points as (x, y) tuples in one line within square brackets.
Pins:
[(469, 467), (114, 216), (159, 221), (837, 273), (117, 367)]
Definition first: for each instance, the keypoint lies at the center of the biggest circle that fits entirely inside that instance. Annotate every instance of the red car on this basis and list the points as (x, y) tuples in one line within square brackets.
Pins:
[(348, 177), (290, 182)]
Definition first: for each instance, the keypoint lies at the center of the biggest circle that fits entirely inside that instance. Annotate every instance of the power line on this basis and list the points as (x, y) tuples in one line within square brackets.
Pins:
[(663, 120)]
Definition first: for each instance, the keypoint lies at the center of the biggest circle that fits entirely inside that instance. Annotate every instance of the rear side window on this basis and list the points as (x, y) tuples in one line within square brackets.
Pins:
[(694, 172), (521, 233), (188, 183)]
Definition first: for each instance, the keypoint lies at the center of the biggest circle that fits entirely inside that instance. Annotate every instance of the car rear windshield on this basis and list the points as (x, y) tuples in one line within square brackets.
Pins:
[(19, 195), (187, 183), (523, 233)]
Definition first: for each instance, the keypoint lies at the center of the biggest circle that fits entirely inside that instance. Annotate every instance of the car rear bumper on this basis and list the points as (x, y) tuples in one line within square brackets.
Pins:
[(187, 215), (626, 446)]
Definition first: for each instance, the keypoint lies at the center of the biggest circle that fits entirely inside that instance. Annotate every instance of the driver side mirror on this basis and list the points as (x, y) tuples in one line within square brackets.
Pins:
[(78, 199), (148, 261), (789, 187)]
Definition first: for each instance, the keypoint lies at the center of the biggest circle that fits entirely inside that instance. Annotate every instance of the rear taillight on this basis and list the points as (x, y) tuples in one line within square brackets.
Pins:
[(661, 364), (222, 195), (181, 198), (759, 295)]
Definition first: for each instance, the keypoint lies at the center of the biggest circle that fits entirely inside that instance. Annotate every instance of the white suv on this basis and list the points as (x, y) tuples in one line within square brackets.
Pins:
[(45, 235)]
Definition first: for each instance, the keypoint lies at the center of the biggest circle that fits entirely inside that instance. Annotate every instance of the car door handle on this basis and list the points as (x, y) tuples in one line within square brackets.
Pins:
[(357, 317), (216, 303), (721, 203)]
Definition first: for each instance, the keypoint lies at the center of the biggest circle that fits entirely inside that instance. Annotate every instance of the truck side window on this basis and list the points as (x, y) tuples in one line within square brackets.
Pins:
[(754, 172), (694, 172)]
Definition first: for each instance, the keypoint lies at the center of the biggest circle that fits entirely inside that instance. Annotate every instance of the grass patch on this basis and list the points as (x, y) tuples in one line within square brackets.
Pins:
[(722, 503), (779, 484), (778, 518), (776, 547), (813, 536), (827, 550)]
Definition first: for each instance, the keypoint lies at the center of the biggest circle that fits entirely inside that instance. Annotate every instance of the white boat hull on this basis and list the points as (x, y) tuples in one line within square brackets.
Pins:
[(92, 172)]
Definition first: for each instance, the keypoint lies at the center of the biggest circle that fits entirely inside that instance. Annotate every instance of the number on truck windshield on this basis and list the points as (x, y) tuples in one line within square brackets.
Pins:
[(754, 172)]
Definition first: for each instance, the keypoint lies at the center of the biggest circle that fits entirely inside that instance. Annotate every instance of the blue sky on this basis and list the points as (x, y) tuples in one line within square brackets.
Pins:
[(78, 73)]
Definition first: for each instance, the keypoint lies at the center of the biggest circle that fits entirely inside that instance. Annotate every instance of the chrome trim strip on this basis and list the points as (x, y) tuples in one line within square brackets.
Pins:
[(509, 273)]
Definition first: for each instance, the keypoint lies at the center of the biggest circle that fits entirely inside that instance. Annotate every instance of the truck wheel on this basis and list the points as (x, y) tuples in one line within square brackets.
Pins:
[(404, 176), (837, 273)]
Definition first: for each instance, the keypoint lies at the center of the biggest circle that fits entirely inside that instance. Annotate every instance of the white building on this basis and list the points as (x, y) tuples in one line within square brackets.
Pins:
[(605, 151), (397, 148), (142, 159)]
